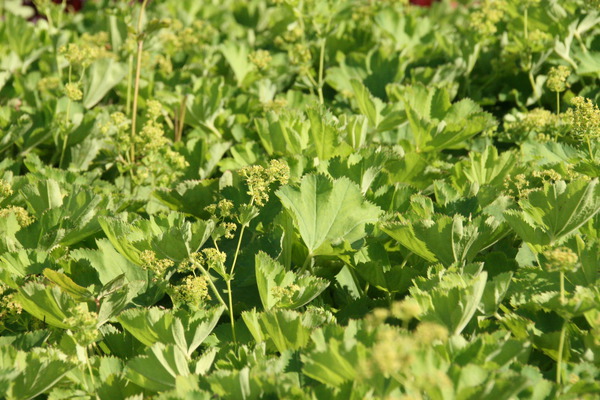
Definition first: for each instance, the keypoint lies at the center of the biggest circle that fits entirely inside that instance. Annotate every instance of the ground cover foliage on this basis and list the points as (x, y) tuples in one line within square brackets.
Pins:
[(300, 199)]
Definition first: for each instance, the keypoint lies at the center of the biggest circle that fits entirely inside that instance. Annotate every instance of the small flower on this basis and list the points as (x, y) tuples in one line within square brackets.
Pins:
[(153, 109), (300, 54), (561, 259), (585, 118), (48, 83), (73, 91), (259, 178), (83, 323), (229, 228), (406, 309), (260, 58), (192, 291), (150, 262), (23, 217), (430, 332), (285, 294), (215, 259), (5, 189), (225, 206), (393, 351), (557, 78)]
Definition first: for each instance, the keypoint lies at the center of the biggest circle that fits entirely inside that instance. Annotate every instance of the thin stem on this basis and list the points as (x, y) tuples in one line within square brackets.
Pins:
[(561, 346), (129, 85), (532, 82), (138, 70), (87, 360), (211, 284), (306, 263), (557, 103), (321, 66), (67, 121), (231, 318), (525, 23), (562, 287), (589, 144)]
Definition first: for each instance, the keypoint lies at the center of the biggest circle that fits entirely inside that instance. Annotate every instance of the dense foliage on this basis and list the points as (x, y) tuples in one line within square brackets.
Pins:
[(300, 199)]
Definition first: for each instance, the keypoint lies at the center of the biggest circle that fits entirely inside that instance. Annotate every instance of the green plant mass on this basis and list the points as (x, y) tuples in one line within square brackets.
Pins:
[(300, 199)]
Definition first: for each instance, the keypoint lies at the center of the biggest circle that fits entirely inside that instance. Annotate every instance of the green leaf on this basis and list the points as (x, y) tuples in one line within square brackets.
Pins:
[(337, 355), (552, 214), (39, 375), (271, 275), (323, 132), (77, 292), (445, 239), (453, 303), (369, 106), (328, 212), (285, 329), (49, 304), (159, 368), (186, 331), (109, 263), (102, 76), (236, 55), (43, 196)]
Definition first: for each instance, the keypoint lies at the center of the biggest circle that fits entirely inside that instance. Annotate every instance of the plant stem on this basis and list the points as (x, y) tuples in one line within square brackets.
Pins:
[(589, 144), (561, 346), (557, 103), (321, 69), (138, 70), (211, 284), (129, 83), (231, 317), (525, 23), (87, 360), (67, 121), (561, 343), (562, 287), (306, 263)]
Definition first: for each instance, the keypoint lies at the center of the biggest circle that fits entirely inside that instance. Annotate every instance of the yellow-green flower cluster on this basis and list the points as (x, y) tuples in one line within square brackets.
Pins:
[(405, 310), (561, 259), (299, 54), (152, 263), (538, 40), (584, 118), (214, 258), (517, 186), (557, 78), (259, 179), (23, 217), (393, 351), (485, 19), (293, 34), (429, 333), (260, 58), (544, 122), (48, 83), (5, 189), (92, 48), (228, 228), (8, 306), (285, 294), (83, 324), (73, 91), (191, 292), (181, 38)]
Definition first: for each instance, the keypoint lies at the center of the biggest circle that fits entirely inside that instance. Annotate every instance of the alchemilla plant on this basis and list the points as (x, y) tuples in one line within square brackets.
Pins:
[(355, 199)]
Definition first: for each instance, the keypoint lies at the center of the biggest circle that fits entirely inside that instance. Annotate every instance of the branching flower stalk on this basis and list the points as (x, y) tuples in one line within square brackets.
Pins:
[(561, 259), (138, 70)]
